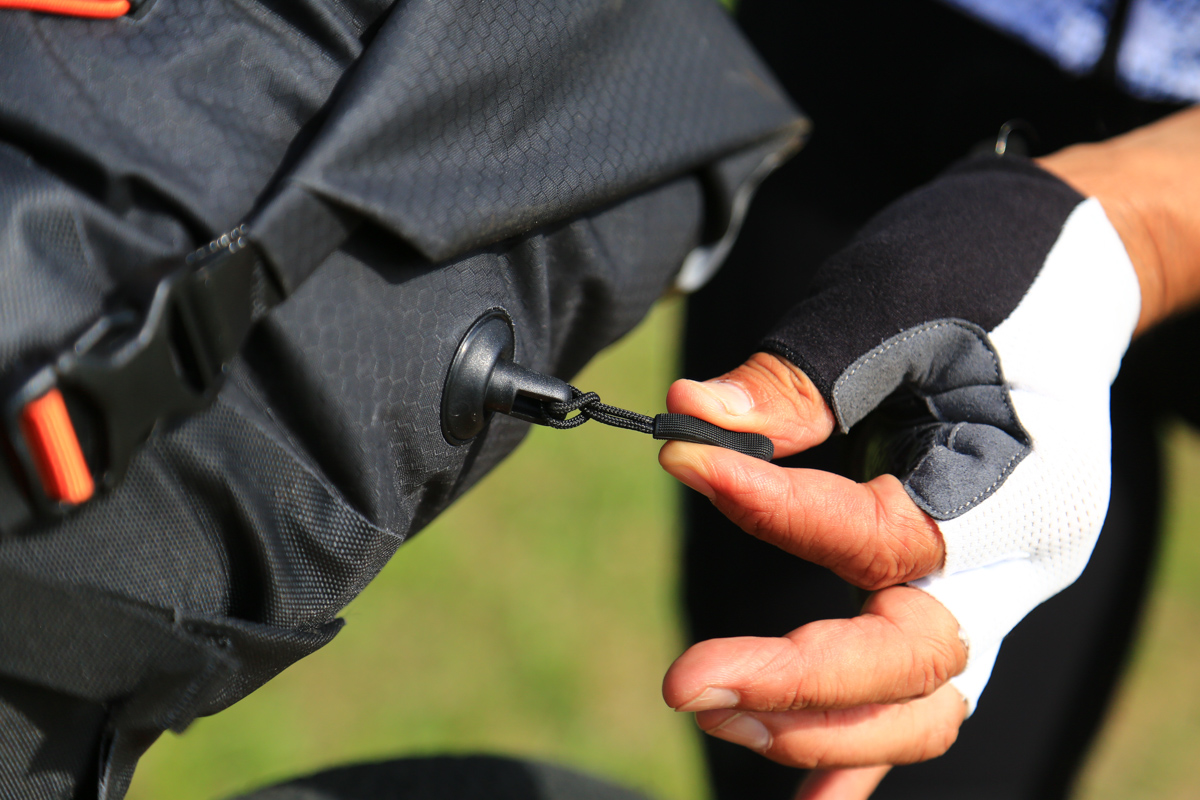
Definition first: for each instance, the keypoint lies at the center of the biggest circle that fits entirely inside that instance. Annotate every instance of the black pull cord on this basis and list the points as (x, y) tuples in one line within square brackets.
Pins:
[(678, 427)]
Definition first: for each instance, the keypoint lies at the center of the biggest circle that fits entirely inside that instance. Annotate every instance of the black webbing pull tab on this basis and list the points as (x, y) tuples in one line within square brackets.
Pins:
[(676, 427), (686, 428)]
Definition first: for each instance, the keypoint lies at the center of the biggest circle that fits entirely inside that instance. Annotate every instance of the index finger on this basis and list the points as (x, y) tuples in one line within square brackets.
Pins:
[(871, 534)]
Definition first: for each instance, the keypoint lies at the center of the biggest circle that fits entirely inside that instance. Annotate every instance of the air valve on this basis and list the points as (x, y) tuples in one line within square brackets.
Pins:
[(484, 379)]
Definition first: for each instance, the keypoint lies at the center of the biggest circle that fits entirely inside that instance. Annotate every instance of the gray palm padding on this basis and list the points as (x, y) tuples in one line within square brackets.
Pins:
[(973, 440)]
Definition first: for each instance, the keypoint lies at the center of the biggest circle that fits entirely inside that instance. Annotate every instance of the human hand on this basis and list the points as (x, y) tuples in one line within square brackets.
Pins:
[(832, 693), (990, 311)]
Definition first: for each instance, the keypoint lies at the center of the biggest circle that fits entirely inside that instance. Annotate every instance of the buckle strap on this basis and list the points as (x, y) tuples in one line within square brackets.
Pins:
[(77, 423)]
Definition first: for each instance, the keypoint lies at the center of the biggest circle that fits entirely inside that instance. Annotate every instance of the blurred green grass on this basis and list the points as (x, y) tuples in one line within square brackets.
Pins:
[(1150, 747), (537, 616)]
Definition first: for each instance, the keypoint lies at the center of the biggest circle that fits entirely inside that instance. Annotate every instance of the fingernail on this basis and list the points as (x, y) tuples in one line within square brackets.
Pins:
[(743, 730), (692, 479), (711, 698), (737, 401)]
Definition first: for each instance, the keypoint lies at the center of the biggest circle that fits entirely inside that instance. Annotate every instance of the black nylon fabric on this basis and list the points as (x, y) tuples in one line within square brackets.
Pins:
[(49, 741), (473, 777), (324, 452), (124, 143), (523, 112), (187, 109), (551, 159)]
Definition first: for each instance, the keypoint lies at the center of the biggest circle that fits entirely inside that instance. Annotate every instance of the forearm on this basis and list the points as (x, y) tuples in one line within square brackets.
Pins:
[(1148, 181)]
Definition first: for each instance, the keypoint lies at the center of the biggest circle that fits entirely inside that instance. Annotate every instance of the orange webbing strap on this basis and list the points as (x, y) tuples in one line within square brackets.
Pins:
[(97, 9), (50, 435)]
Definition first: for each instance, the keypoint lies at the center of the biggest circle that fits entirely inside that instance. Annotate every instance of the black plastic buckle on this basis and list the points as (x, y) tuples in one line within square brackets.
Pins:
[(131, 373)]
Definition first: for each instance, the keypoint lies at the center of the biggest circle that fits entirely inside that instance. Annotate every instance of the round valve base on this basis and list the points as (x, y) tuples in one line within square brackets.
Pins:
[(464, 396)]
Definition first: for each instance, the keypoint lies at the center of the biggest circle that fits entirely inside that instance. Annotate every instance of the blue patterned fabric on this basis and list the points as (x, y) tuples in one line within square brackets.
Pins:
[(1159, 55)]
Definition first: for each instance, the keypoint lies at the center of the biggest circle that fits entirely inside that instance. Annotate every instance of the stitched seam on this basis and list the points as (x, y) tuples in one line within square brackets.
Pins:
[(999, 382), (878, 351), (954, 434), (999, 480)]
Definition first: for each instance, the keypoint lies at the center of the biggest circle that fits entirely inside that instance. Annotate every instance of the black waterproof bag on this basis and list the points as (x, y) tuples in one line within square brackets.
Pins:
[(258, 421)]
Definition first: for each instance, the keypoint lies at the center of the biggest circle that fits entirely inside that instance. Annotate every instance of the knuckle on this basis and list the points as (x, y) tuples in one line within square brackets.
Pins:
[(792, 682), (931, 665), (806, 752), (757, 520), (928, 674), (868, 566), (804, 692), (780, 375), (948, 657), (879, 572), (813, 684), (908, 541)]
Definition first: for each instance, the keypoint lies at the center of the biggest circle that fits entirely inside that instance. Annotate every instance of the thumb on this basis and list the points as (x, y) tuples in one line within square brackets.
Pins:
[(767, 395)]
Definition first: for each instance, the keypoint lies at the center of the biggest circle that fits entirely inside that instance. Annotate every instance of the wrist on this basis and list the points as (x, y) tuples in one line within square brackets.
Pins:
[(1094, 171), (1147, 183)]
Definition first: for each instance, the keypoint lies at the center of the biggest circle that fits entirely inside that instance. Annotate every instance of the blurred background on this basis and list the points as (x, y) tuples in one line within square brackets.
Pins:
[(538, 615)]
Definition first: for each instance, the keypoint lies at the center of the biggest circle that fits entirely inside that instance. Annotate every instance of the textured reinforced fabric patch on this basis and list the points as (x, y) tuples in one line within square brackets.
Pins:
[(938, 357)]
